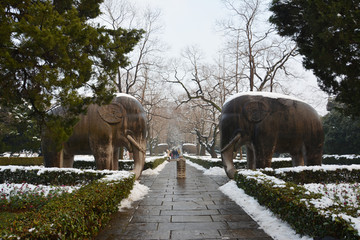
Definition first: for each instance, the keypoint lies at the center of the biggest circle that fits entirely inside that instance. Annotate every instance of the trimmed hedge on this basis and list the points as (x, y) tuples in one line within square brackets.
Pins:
[(34, 161), (327, 160), (289, 203), (23, 161), (79, 215), (317, 176), (154, 164), (49, 176)]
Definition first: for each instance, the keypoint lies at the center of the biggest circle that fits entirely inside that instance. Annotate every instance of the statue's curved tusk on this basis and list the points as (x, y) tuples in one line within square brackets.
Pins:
[(233, 141), (132, 140)]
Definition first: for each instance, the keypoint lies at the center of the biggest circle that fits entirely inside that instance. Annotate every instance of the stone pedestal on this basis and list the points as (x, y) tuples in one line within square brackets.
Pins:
[(181, 168)]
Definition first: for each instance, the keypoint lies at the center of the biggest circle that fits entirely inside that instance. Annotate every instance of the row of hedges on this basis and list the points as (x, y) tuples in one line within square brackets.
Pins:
[(292, 204), (241, 164), (78, 215), (154, 164), (30, 161), (23, 161), (315, 174), (49, 176)]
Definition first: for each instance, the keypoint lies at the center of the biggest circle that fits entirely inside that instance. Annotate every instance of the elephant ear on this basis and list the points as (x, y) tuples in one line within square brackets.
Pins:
[(256, 111), (112, 113)]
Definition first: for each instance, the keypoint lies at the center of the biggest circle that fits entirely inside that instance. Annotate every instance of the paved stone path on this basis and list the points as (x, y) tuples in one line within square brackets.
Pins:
[(190, 208)]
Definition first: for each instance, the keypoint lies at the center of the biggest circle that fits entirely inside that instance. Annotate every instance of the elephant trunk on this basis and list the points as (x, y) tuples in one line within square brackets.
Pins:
[(139, 161), (227, 154), (139, 154)]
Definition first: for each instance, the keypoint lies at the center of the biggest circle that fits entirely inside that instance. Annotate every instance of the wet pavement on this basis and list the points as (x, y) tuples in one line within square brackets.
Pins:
[(190, 208)]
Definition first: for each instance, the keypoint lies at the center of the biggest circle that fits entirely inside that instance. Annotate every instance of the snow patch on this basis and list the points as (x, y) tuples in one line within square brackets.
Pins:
[(154, 171), (263, 94), (138, 192), (272, 225), (125, 95)]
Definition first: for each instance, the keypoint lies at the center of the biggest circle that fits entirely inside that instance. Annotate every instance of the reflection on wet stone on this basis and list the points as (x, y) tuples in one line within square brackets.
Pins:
[(183, 208)]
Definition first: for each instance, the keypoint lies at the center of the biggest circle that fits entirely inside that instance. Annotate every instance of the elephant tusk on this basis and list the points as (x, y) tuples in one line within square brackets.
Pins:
[(233, 141), (132, 140)]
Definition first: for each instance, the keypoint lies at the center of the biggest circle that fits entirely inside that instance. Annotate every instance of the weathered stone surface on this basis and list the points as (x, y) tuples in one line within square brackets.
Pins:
[(190, 208)]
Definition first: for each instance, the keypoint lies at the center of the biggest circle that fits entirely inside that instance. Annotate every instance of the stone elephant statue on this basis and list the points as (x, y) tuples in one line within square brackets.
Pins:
[(267, 123), (101, 132)]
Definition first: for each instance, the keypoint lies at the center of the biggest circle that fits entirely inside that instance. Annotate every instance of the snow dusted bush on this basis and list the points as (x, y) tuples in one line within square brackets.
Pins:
[(315, 209)]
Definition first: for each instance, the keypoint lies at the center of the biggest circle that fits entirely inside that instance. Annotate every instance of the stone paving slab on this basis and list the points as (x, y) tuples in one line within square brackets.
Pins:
[(190, 208)]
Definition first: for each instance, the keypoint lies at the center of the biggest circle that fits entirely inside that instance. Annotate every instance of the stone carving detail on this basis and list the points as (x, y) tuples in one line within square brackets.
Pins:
[(112, 113)]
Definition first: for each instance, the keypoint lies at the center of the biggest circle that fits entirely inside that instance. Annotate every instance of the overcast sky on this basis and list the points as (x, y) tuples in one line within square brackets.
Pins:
[(193, 22), (189, 22)]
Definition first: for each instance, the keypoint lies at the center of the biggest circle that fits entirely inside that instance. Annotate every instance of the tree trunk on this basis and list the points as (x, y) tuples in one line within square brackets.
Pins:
[(202, 151), (213, 153)]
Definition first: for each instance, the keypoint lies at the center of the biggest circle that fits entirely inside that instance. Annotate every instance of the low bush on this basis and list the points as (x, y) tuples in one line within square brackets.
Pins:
[(23, 161), (78, 215), (48, 176), (324, 174), (154, 164), (292, 203)]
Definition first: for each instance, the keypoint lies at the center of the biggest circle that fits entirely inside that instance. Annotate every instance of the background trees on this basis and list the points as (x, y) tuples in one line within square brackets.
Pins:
[(257, 56), (327, 35), (50, 55), (342, 133)]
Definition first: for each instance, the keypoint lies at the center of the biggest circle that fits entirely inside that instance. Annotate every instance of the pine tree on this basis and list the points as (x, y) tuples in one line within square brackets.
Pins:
[(327, 34), (50, 54)]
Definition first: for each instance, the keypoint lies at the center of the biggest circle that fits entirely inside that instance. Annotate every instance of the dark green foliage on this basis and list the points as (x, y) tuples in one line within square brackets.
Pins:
[(155, 163), (73, 216), (49, 53), (327, 34), (286, 202), (16, 134), (342, 134), (48, 177), (21, 161), (311, 176)]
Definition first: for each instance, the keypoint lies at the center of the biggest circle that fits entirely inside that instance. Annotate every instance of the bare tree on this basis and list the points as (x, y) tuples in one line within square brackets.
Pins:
[(147, 54), (260, 55), (206, 92), (141, 78)]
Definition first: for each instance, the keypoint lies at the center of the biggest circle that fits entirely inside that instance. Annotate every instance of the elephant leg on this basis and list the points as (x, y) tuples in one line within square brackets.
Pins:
[(263, 156), (115, 161), (68, 160), (298, 156), (313, 155), (139, 161), (250, 157), (227, 159), (103, 153), (52, 157)]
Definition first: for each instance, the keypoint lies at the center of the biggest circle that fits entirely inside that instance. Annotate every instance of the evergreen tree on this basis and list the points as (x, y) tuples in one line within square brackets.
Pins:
[(327, 34), (342, 134), (50, 54)]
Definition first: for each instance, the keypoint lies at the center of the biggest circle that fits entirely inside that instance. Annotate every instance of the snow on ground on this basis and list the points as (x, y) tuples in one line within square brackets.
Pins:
[(273, 226), (154, 171), (138, 192)]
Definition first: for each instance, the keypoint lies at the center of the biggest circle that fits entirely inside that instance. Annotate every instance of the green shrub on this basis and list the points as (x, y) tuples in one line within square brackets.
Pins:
[(288, 201), (320, 175), (48, 176), (79, 215), (155, 163), (23, 161)]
